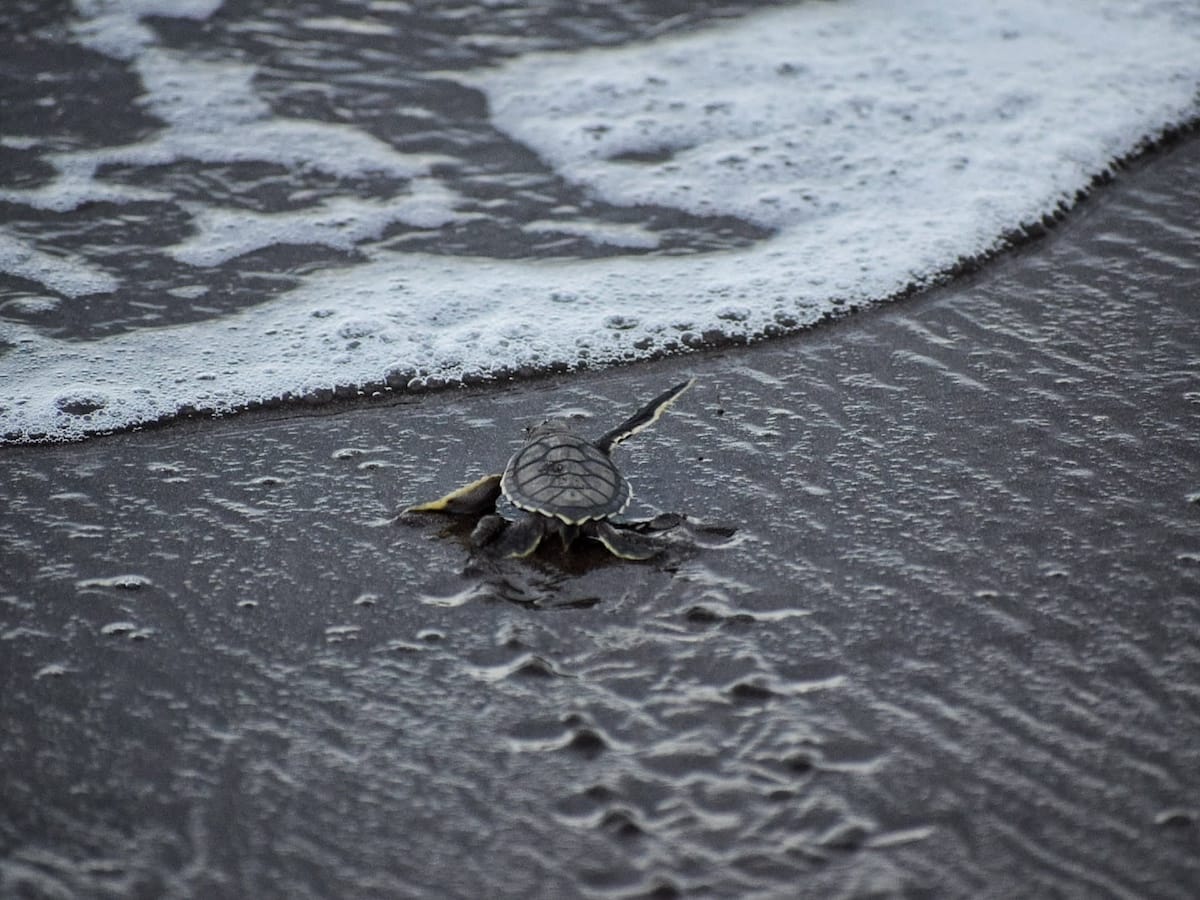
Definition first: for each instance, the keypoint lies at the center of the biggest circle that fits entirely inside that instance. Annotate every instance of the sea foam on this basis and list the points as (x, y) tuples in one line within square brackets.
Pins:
[(880, 145)]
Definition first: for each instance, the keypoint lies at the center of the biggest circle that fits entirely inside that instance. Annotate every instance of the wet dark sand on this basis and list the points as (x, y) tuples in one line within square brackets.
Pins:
[(952, 649)]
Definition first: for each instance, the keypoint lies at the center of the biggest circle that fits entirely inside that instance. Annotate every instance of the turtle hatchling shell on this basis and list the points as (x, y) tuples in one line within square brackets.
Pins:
[(560, 474)]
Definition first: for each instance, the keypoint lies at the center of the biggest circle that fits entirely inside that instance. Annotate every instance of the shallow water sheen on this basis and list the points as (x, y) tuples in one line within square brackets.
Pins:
[(949, 649)]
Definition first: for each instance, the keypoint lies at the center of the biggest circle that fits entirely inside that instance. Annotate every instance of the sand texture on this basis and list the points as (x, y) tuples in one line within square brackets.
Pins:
[(932, 627)]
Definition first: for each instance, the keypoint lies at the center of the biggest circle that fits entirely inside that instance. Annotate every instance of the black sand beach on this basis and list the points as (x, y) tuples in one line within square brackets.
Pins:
[(951, 649)]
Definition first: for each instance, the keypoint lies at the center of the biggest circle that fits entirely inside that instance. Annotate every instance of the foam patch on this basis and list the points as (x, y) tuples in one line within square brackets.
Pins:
[(880, 143)]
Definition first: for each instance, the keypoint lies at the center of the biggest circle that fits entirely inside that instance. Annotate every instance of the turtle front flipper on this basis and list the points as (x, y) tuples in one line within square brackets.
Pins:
[(643, 418), (471, 500), (625, 544), (520, 538)]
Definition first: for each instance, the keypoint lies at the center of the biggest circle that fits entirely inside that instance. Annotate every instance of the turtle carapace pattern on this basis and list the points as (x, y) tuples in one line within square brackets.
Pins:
[(557, 473), (567, 484)]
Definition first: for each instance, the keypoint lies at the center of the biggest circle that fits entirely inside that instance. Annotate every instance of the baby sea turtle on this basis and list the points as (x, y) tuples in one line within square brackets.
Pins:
[(568, 485)]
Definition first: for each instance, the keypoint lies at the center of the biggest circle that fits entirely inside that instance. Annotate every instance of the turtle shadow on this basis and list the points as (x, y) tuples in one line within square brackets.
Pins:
[(545, 579), (550, 578)]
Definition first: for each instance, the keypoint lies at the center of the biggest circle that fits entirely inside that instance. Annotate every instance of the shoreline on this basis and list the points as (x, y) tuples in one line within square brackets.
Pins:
[(396, 388)]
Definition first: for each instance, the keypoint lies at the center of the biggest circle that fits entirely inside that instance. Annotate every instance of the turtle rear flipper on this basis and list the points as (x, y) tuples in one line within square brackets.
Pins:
[(520, 538), (625, 544), (470, 500), (661, 522), (487, 530), (643, 418)]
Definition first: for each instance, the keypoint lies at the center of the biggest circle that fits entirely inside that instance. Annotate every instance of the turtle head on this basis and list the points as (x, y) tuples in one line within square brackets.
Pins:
[(550, 426)]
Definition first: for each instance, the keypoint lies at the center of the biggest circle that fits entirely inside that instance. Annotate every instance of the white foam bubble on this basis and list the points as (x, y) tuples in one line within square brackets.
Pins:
[(341, 223), (427, 317), (115, 29), (364, 26), (629, 235), (19, 142), (881, 142), (213, 115), (70, 276), (861, 125)]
